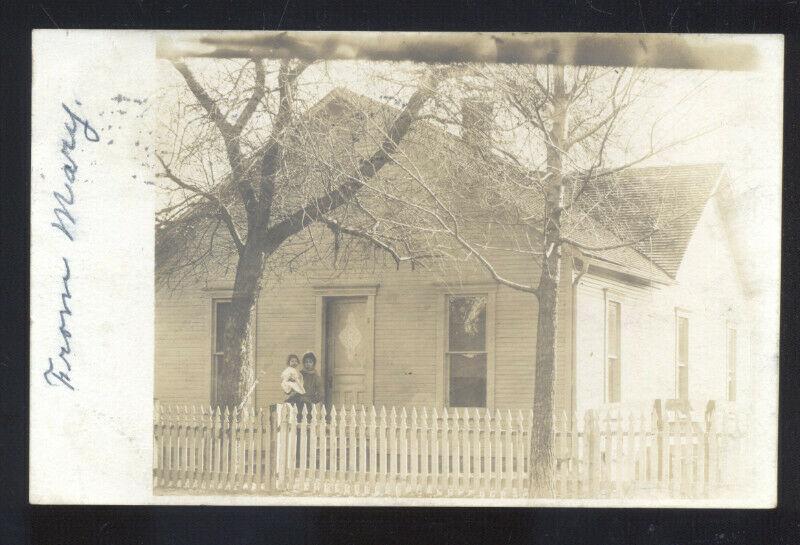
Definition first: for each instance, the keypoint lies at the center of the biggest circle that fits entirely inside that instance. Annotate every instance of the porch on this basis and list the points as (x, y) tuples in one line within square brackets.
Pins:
[(422, 452)]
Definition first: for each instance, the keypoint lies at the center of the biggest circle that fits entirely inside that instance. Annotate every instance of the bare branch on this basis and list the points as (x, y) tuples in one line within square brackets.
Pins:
[(208, 104), (254, 100), (229, 136), (316, 208), (337, 227), (271, 158), (223, 211)]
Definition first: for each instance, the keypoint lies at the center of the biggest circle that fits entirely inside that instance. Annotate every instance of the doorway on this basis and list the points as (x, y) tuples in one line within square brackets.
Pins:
[(348, 352)]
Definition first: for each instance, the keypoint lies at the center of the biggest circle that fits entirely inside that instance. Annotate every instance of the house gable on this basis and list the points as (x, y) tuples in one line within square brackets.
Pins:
[(707, 292)]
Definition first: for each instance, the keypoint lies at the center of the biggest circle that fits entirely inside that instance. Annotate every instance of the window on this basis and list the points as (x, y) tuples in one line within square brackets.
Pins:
[(613, 352), (466, 352), (731, 364), (682, 357), (221, 313)]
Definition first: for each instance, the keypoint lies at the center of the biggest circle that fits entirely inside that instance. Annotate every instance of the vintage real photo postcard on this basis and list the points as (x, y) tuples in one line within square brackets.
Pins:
[(405, 268)]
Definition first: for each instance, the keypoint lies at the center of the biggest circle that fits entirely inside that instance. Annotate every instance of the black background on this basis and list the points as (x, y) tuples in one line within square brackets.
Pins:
[(21, 523)]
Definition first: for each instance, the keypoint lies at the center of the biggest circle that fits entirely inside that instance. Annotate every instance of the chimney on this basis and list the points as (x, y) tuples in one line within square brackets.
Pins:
[(477, 122)]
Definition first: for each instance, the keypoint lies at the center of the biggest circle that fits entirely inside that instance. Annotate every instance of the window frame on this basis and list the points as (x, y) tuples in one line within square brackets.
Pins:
[(215, 301), (224, 294), (682, 314), (443, 383), (612, 298)]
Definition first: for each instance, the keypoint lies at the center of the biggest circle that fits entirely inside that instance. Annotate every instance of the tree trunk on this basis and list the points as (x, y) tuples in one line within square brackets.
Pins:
[(237, 379), (541, 463), (541, 460)]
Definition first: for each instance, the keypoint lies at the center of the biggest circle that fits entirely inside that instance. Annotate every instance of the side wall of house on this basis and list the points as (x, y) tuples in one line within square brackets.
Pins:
[(408, 337), (708, 292), (183, 345)]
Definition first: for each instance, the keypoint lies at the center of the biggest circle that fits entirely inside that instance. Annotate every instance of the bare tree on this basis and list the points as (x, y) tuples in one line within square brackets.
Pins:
[(537, 170), (534, 172), (567, 195), (248, 118)]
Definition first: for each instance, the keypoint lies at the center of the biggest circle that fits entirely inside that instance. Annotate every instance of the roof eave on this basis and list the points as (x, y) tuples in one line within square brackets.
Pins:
[(617, 269)]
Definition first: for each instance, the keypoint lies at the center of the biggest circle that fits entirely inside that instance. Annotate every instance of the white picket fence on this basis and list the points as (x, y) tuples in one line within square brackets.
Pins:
[(361, 451), (647, 455), (200, 448)]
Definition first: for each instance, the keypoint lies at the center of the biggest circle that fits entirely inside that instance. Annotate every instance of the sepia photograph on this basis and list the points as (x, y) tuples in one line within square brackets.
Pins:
[(405, 269), (475, 266)]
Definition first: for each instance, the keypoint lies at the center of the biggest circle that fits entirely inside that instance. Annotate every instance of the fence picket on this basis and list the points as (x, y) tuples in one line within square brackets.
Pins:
[(423, 430), (393, 461), (438, 451), (455, 482), (324, 434), (452, 452), (443, 482), (467, 453), (341, 445), (352, 452), (383, 455), (158, 445), (362, 453)]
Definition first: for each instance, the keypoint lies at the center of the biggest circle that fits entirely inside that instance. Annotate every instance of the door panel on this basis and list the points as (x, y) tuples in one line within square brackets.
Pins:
[(346, 351)]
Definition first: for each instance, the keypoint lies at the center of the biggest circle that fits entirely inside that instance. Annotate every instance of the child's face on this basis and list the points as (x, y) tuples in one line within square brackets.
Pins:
[(294, 362)]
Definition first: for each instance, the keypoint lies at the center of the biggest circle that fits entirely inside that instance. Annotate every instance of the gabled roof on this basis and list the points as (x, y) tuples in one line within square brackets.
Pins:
[(616, 208), (658, 207)]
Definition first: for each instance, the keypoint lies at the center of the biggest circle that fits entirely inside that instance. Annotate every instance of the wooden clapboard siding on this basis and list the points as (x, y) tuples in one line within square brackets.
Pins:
[(707, 290), (515, 348), (406, 314), (183, 346), (409, 315), (286, 317), (710, 285), (590, 348)]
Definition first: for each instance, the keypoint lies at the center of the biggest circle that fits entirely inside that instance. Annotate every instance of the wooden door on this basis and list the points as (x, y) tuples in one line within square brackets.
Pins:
[(347, 354)]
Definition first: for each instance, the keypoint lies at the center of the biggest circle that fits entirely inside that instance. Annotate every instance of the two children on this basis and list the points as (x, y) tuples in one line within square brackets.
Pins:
[(302, 386)]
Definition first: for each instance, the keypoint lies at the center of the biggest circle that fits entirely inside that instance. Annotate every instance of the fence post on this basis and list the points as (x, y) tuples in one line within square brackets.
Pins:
[(268, 440), (382, 484), (352, 453), (443, 482), (437, 450), (158, 449), (591, 432), (408, 449), (325, 438)]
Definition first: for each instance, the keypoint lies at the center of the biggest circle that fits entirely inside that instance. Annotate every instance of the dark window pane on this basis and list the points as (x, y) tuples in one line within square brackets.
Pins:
[(614, 381), (683, 340), (468, 380), (222, 311), (683, 382), (467, 326), (216, 380)]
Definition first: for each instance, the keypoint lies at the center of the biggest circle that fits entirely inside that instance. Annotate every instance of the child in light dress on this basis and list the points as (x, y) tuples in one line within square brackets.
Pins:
[(291, 377)]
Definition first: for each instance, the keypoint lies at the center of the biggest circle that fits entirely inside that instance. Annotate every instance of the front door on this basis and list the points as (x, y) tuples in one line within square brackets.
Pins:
[(346, 351)]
